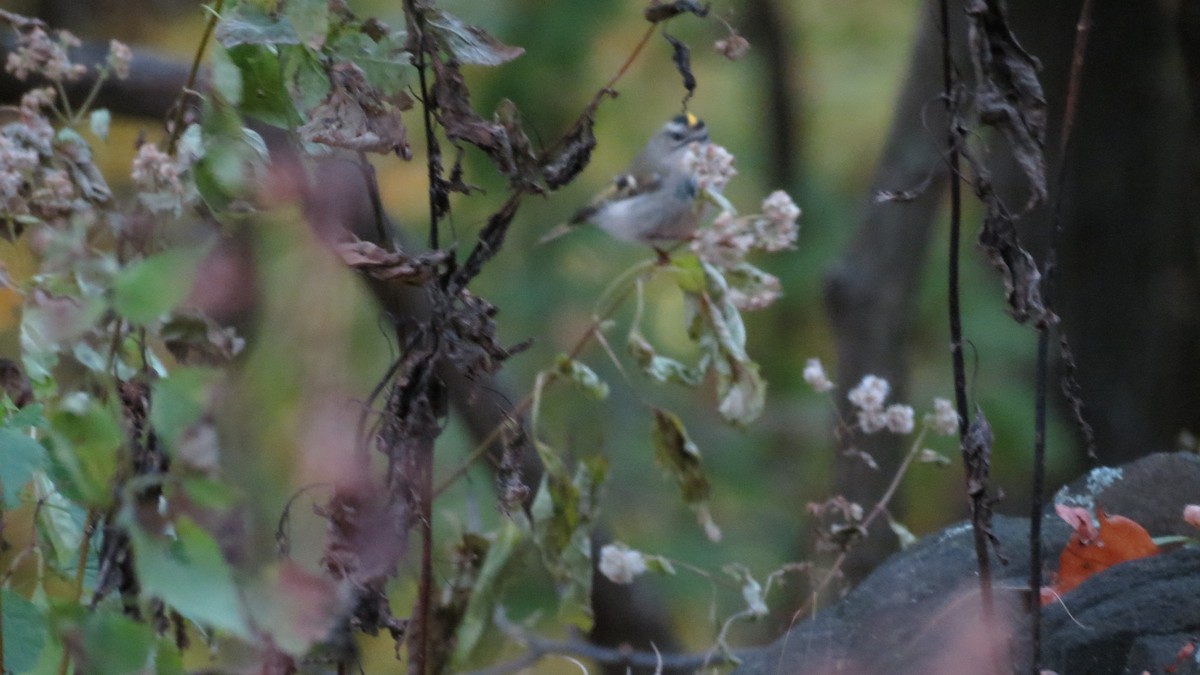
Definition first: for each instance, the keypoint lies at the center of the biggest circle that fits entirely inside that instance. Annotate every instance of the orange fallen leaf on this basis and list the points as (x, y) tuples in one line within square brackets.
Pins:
[(1090, 550)]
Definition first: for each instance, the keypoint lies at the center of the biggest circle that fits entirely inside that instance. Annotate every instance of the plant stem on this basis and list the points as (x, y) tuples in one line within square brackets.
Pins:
[(177, 122), (1037, 499), (956, 336)]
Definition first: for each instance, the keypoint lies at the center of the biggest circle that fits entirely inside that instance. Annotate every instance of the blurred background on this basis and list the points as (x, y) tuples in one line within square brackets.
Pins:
[(825, 106)]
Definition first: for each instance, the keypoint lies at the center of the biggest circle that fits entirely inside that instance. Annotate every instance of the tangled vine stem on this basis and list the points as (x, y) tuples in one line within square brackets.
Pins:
[(956, 337)]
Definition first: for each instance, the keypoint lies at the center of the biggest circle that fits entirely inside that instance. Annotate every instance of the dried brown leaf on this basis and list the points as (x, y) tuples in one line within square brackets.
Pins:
[(1008, 94), (357, 116)]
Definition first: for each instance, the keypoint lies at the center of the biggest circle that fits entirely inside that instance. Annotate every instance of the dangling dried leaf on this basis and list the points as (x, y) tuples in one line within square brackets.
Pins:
[(1017, 268), (525, 167), (661, 11), (357, 116), (977, 453), (452, 102), (1008, 94), (491, 239), (575, 153), (683, 63)]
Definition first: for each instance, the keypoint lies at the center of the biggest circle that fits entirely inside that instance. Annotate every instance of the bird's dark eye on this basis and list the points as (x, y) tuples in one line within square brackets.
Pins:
[(676, 135)]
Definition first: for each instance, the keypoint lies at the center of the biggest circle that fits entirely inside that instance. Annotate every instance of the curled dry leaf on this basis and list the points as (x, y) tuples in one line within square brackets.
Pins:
[(733, 47), (1008, 94), (1018, 269)]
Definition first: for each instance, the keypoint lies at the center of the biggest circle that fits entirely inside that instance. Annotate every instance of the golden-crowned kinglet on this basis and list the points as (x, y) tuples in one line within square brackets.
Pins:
[(654, 200)]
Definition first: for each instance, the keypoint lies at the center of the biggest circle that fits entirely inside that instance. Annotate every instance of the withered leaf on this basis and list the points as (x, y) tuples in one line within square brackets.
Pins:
[(466, 43), (525, 167), (1008, 94), (576, 151), (461, 123), (977, 455), (1017, 268), (682, 58), (491, 239), (391, 265), (356, 116), (661, 11)]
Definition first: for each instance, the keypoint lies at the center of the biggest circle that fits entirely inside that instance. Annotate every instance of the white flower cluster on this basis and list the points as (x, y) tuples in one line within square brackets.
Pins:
[(621, 564), (777, 229), (869, 397), (33, 179), (120, 56), (944, 419), (729, 239), (814, 375), (710, 164), (155, 171), (37, 53)]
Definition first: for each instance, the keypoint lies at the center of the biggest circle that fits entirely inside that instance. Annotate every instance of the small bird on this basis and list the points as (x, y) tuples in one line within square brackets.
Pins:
[(654, 200)]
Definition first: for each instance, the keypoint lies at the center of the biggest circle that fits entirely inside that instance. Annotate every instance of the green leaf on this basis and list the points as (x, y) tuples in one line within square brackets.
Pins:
[(659, 564), (25, 632), (468, 44), (581, 376), (168, 660), (227, 78), (310, 19), (60, 522), (563, 513), (716, 325), (116, 644), (180, 401), (20, 456), (86, 439), (99, 121), (48, 322), (387, 65), (210, 494), (247, 24), (189, 574), (29, 416), (500, 562), (305, 76), (149, 288), (264, 93), (662, 368), (905, 536), (679, 457)]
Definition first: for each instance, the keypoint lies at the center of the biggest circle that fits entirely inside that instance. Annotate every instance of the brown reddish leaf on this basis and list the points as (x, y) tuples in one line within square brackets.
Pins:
[(1089, 551)]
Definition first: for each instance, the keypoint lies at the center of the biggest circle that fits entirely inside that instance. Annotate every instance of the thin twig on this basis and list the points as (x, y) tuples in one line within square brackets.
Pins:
[(190, 87), (1037, 500)]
